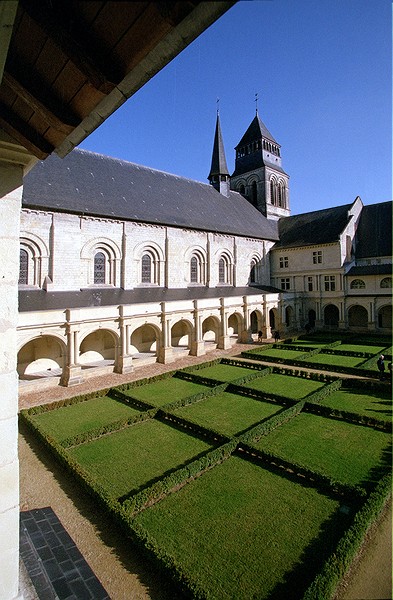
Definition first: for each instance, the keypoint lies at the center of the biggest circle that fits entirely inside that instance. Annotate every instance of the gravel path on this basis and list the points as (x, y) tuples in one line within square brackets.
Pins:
[(122, 572)]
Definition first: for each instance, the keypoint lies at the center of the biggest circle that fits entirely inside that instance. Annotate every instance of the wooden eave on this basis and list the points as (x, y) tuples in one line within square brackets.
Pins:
[(66, 60)]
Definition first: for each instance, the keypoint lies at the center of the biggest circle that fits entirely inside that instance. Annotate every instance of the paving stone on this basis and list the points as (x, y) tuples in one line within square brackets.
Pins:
[(55, 566)]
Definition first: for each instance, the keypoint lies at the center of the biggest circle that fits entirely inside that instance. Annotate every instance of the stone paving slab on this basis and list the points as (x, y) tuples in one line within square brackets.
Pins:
[(55, 566)]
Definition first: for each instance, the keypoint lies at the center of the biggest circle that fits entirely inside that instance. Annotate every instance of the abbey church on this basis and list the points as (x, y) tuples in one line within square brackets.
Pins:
[(121, 264)]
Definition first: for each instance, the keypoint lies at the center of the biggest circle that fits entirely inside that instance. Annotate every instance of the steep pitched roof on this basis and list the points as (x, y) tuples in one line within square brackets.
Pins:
[(374, 232), (256, 131), (97, 185), (219, 163), (308, 229)]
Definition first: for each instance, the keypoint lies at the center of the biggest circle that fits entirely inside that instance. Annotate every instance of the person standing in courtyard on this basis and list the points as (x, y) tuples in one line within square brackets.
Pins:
[(381, 366)]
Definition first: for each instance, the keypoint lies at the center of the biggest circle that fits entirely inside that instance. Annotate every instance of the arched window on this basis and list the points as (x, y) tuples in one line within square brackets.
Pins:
[(197, 269), (273, 192), (358, 284), (242, 190), (254, 193), (253, 271), (99, 268), (23, 267), (224, 270), (281, 195), (146, 268), (386, 282)]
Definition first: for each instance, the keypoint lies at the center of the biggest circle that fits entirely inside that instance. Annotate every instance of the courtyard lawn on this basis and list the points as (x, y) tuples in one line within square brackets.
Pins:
[(335, 360), (361, 401), (227, 413), (239, 531), (223, 372), (361, 348), (74, 419), (280, 353), (306, 343), (128, 459), (343, 451), (285, 385), (164, 391)]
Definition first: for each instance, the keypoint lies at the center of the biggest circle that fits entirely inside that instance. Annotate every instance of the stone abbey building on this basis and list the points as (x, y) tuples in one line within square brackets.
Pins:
[(121, 264)]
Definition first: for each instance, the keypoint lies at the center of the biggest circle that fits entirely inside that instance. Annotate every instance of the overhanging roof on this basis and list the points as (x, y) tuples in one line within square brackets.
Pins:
[(70, 64)]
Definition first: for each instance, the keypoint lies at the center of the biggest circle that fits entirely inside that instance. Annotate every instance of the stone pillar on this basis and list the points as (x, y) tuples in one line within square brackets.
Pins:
[(223, 340), (246, 335), (13, 160), (72, 370), (197, 344), (123, 363), (165, 353)]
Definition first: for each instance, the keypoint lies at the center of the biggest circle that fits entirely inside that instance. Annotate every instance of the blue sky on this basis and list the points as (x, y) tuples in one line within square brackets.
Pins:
[(322, 70)]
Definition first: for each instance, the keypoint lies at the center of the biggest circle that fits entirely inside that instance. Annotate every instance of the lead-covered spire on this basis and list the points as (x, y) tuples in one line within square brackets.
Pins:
[(219, 174)]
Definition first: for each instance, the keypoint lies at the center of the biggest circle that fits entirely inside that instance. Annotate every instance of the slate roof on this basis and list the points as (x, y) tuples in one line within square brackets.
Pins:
[(34, 300), (313, 228), (256, 130), (385, 269), (374, 232), (93, 184)]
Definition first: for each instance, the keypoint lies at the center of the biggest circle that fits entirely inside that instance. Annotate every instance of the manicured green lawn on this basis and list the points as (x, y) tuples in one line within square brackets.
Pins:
[(308, 344), (68, 421), (223, 372), (335, 359), (360, 348), (362, 402), (164, 391), (285, 385), (227, 413), (344, 451), (128, 459), (280, 353), (240, 530)]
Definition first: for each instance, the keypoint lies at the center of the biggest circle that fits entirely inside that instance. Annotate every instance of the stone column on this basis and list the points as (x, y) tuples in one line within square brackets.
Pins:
[(123, 363), (13, 161), (165, 353), (72, 370), (197, 344), (246, 336), (223, 340)]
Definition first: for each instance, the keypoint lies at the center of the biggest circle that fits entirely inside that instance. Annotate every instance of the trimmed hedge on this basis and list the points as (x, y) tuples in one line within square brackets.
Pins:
[(42, 408), (350, 417), (326, 582), (318, 480)]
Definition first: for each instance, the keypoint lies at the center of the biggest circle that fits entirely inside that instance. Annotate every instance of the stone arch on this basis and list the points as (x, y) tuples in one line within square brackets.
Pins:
[(181, 334), (331, 316), (195, 260), (211, 329), (41, 356), (225, 268), (289, 316), (254, 268), (273, 318), (145, 339), (235, 325), (36, 252), (256, 321), (385, 317), (98, 346), (152, 253), (357, 316)]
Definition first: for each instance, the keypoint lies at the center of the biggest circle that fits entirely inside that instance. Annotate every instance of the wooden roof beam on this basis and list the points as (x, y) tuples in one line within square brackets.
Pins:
[(72, 48), (48, 116), (34, 142)]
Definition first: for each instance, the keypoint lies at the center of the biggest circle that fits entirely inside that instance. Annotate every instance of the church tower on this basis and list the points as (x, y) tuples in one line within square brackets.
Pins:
[(258, 173), (219, 174)]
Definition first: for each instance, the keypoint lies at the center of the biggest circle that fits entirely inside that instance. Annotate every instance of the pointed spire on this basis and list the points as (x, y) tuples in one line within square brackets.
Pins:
[(219, 174)]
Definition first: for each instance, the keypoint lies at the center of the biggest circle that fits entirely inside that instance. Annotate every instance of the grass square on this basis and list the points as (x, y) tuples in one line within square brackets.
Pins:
[(227, 413), (67, 421), (285, 385), (164, 391), (344, 451), (257, 527), (335, 360), (224, 372), (131, 458), (369, 403)]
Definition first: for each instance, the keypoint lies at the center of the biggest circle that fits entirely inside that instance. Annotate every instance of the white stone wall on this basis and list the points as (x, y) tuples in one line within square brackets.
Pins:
[(68, 243)]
